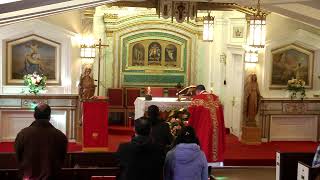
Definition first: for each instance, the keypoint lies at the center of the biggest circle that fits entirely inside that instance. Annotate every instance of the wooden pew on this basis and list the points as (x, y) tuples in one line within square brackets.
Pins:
[(78, 159), (306, 172), (83, 160), (8, 161), (67, 173), (287, 164), (9, 174)]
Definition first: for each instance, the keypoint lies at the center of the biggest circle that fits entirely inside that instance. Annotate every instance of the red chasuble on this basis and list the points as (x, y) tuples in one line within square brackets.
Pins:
[(207, 120)]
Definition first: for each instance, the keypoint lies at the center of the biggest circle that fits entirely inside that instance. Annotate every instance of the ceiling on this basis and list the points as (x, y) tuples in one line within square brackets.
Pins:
[(307, 11)]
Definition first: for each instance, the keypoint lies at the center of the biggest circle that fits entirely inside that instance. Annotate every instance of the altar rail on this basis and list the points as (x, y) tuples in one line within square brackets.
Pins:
[(16, 113), (289, 120)]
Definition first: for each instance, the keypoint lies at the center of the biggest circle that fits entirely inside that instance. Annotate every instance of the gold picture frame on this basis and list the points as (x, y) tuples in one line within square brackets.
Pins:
[(291, 61), (31, 54)]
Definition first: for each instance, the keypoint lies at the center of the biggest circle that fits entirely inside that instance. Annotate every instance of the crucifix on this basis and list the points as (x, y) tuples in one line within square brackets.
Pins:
[(100, 46)]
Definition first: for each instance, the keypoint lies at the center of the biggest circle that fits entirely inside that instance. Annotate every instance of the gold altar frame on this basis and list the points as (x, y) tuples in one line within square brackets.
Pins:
[(178, 66), (10, 80)]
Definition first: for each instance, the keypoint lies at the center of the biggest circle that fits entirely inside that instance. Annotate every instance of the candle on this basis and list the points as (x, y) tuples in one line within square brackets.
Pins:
[(211, 89), (149, 91)]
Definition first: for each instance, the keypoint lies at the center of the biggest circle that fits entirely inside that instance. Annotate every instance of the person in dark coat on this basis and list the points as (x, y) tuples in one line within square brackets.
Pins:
[(40, 148), (160, 130), (141, 159)]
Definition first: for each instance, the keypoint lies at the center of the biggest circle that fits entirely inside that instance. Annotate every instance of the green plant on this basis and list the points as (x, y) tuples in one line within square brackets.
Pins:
[(178, 119), (35, 82)]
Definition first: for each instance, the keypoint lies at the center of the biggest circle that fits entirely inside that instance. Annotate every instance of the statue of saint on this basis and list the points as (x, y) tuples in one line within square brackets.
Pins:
[(252, 99), (86, 85)]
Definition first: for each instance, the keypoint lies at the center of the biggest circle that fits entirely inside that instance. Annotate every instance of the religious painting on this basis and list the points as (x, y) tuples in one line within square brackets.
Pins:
[(138, 55), (154, 54), (291, 61), (238, 32), (171, 55), (33, 54)]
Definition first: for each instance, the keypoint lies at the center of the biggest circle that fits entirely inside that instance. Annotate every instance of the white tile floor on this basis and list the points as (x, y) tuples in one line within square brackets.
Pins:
[(255, 173)]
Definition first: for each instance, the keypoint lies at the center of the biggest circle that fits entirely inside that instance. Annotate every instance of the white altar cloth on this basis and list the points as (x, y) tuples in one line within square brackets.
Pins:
[(164, 104)]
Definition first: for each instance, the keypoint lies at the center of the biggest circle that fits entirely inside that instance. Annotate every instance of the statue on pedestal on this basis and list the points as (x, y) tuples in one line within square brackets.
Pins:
[(86, 85), (252, 99)]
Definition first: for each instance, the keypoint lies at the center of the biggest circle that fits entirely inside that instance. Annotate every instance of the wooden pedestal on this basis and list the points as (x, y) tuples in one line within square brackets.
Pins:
[(251, 135)]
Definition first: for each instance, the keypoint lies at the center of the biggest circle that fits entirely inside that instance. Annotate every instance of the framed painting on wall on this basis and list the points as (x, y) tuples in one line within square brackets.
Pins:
[(291, 61), (32, 54)]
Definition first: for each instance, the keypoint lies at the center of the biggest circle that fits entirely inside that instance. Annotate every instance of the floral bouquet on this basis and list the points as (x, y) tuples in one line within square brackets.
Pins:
[(35, 82), (296, 85), (178, 119)]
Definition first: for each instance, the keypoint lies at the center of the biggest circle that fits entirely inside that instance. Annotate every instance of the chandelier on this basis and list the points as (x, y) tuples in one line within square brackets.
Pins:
[(208, 24), (180, 10), (257, 28)]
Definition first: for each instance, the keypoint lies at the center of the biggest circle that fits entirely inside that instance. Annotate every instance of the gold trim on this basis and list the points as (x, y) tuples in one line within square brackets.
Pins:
[(95, 149), (211, 104)]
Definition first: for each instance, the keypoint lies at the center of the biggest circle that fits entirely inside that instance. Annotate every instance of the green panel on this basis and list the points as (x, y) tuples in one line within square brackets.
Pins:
[(158, 35), (170, 79), (140, 77)]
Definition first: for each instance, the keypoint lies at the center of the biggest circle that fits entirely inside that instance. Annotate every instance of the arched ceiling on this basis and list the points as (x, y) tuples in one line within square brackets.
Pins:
[(307, 11)]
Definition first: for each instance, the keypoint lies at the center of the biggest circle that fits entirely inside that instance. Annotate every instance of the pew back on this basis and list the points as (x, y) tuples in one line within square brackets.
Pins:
[(306, 172), (287, 164)]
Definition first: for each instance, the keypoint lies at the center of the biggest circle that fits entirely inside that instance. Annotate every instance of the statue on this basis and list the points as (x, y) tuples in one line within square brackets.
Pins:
[(86, 85), (252, 99)]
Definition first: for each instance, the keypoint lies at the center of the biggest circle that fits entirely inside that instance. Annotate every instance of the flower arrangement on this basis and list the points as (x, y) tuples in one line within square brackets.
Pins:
[(178, 119), (35, 82), (296, 85)]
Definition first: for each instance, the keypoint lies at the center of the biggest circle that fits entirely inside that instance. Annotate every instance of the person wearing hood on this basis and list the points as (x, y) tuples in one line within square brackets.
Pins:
[(186, 161), (141, 159)]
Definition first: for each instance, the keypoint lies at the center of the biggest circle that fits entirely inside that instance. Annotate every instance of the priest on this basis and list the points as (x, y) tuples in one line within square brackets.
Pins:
[(207, 120)]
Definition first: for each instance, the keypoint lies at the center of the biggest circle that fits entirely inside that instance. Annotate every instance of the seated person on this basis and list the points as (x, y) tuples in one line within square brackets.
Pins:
[(161, 133), (186, 161), (140, 159)]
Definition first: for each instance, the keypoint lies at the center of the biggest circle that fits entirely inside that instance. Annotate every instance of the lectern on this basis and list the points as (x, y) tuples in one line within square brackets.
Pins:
[(95, 124)]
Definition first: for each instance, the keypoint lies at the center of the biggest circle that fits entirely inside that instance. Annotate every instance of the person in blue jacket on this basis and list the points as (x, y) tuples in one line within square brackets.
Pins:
[(186, 161)]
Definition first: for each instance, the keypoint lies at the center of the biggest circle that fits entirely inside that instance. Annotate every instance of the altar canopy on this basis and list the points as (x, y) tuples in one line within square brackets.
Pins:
[(164, 104)]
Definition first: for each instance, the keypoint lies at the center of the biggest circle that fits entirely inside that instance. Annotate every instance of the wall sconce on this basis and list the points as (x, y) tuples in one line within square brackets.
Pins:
[(87, 50), (257, 28), (208, 25)]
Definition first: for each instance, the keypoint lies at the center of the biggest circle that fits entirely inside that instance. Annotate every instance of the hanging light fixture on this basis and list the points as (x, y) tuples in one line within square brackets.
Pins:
[(251, 56), (257, 28), (87, 50), (208, 24)]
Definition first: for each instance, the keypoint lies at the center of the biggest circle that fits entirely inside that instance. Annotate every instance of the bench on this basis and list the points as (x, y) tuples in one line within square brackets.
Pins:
[(67, 173), (306, 172), (287, 164), (76, 159)]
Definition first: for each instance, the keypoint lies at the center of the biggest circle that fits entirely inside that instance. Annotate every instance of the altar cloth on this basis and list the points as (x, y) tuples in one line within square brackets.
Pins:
[(164, 104)]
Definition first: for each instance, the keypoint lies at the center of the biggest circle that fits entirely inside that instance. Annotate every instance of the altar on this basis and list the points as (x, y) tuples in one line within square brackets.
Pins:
[(290, 120), (165, 104), (16, 113)]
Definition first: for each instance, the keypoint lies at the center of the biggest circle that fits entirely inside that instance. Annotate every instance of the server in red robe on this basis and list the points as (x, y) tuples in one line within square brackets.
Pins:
[(207, 120)]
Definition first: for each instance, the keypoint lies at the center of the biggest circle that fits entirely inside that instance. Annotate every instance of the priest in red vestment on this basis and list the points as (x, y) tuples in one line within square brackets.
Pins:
[(207, 120)]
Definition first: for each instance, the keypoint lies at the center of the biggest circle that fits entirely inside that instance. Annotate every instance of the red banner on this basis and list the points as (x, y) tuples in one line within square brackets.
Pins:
[(95, 125)]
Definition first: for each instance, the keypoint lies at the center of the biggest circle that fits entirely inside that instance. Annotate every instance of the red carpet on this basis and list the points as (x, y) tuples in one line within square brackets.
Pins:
[(236, 154)]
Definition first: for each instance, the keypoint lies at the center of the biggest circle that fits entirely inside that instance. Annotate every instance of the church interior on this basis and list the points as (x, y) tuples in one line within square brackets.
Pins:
[(260, 57)]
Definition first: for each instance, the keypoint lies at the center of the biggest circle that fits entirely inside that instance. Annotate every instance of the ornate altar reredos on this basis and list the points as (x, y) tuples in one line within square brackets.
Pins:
[(187, 93)]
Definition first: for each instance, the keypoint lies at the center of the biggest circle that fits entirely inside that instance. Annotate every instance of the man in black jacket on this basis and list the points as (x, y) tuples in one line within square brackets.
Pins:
[(140, 159), (40, 148)]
